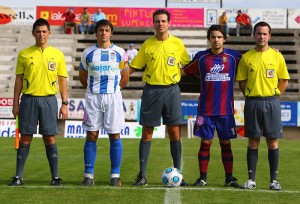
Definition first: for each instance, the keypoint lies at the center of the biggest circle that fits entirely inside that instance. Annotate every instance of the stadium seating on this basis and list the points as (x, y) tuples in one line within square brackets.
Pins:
[(13, 38)]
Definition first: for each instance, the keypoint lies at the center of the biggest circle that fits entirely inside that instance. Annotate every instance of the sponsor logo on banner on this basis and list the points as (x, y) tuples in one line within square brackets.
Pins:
[(6, 108), (8, 128), (17, 15), (74, 129)]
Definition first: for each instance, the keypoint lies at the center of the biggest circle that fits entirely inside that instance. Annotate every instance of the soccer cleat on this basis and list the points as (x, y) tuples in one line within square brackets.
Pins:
[(183, 183), (88, 181), (16, 181), (200, 182), (115, 181), (232, 183), (140, 180), (250, 184), (56, 182), (275, 186)]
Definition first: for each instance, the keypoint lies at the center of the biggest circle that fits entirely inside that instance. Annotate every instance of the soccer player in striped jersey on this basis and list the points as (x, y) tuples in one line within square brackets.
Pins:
[(103, 71), (216, 68)]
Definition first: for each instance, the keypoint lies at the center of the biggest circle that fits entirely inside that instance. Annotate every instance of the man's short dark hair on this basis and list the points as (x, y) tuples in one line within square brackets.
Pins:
[(104, 22), (216, 28), (162, 11), (262, 23), (40, 22)]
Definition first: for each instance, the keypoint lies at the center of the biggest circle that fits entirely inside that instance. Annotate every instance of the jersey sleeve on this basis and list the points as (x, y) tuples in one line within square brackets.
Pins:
[(139, 62), (20, 67), (62, 70), (242, 70), (193, 66), (282, 68)]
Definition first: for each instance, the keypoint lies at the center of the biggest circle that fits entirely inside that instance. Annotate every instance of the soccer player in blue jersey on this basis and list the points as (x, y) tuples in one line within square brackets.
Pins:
[(103, 71), (216, 68)]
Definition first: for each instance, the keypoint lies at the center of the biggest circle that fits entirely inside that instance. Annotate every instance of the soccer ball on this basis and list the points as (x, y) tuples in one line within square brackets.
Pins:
[(171, 177)]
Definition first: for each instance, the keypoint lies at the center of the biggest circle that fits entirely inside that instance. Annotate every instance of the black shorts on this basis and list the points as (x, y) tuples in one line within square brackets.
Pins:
[(161, 102), (38, 110)]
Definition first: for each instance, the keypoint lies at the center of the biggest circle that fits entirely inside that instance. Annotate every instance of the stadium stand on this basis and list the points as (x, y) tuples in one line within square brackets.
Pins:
[(14, 38)]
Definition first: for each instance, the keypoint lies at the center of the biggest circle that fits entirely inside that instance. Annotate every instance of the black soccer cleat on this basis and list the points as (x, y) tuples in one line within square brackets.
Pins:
[(115, 181), (140, 180), (200, 182), (56, 182), (88, 181), (16, 181), (232, 183), (183, 183)]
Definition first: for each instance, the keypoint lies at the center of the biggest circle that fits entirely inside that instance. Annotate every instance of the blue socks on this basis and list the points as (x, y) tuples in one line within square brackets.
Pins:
[(116, 150), (90, 152)]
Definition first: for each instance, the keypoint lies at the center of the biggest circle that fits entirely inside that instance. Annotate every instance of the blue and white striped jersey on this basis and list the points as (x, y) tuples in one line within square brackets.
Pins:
[(103, 66)]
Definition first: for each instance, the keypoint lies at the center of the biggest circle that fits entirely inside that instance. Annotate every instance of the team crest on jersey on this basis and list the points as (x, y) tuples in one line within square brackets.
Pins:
[(224, 59), (113, 56), (171, 61), (51, 66), (270, 73), (199, 120)]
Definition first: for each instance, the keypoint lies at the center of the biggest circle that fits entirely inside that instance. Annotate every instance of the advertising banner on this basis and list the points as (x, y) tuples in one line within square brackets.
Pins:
[(17, 15), (8, 128), (74, 129), (277, 18), (289, 113), (126, 17), (189, 109), (294, 18)]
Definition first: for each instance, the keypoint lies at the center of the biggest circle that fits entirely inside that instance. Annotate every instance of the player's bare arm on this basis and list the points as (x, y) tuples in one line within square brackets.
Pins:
[(282, 85), (17, 92), (83, 76), (124, 78), (131, 70), (62, 82), (242, 85)]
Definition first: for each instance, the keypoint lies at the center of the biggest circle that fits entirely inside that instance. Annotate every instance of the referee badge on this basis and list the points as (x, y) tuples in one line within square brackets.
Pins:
[(51, 66), (270, 73), (171, 61)]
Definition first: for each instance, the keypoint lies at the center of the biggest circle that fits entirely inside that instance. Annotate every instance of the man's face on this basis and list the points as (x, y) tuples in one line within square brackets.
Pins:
[(262, 36), (103, 34), (216, 40), (161, 24), (41, 34)]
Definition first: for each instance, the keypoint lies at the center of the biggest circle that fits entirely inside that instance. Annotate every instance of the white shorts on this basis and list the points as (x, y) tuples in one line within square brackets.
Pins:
[(104, 111)]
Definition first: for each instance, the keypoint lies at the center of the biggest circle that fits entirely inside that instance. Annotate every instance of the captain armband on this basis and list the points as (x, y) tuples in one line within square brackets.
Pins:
[(123, 65)]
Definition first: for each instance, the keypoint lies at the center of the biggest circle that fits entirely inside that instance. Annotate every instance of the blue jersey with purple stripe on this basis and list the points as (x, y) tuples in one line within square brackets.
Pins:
[(217, 76), (103, 66)]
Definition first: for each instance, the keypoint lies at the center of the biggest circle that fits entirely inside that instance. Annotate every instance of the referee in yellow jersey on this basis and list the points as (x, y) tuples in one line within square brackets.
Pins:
[(37, 71), (263, 77), (161, 56)]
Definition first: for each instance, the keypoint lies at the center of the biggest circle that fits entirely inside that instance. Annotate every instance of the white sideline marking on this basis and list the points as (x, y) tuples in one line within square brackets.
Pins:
[(172, 195), (154, 188)]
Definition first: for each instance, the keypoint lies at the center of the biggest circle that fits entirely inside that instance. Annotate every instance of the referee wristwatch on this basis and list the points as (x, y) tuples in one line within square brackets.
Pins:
[(65, 103)]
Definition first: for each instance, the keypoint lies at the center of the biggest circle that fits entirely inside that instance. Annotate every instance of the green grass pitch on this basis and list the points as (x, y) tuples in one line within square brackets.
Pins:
[(37, 189)]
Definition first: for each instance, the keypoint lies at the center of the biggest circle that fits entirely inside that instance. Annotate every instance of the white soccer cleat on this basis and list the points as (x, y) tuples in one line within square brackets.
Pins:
[(250, 184)]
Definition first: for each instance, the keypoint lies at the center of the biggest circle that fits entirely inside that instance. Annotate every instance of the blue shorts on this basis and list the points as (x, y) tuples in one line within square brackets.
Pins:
[(225, 125)]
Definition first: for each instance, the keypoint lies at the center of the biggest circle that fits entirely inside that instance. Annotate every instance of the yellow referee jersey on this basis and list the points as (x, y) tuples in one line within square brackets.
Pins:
[(262, 70), (40, 69), (161, 60)]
